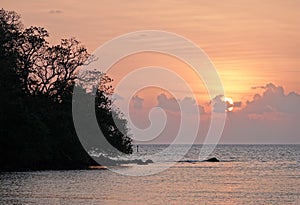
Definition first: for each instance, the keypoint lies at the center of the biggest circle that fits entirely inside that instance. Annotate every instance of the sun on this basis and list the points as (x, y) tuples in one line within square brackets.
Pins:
[(229, 104)]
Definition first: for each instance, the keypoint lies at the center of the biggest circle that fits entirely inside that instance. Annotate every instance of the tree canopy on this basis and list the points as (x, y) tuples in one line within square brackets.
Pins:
[(36, 85)]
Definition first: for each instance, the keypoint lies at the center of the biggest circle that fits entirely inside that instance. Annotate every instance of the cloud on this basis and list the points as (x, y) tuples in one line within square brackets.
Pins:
[(270, 117), (170, 104), (55, 11), (137, 102), (221, 106), (237, 104), (257, 87), (187, 105), (273, 99), (218, 104)]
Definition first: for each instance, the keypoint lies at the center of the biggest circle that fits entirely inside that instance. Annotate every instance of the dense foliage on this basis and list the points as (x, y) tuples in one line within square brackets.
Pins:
[(36, 84)]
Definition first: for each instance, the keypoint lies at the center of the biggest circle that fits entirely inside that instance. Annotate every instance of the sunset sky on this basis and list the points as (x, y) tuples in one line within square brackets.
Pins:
[(253, 44)]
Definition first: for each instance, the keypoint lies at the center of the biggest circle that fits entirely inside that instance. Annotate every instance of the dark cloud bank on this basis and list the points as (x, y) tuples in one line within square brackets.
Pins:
[(273, 117), (270, 117)]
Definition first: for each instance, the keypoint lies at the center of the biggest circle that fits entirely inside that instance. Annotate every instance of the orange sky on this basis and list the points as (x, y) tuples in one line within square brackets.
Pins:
[(251, 42)]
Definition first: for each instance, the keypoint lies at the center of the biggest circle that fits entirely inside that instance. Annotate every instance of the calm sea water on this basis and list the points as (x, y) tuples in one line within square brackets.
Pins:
[(247, 174)]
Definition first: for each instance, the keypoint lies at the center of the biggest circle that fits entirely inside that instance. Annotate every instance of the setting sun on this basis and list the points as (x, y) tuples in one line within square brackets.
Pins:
[(230, 104)]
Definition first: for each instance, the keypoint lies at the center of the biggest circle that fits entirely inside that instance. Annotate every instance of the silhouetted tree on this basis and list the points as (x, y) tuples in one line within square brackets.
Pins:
[(36, 84), (112, 123)]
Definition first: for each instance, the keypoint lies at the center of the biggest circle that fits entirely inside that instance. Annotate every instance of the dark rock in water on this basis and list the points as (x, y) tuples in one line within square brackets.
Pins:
[(212, 160), (136, 161), (141, 162), (189, 161), (148, 161)]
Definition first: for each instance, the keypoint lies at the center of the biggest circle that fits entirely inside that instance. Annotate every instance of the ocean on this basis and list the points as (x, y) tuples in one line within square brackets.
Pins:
[(246, 174)]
